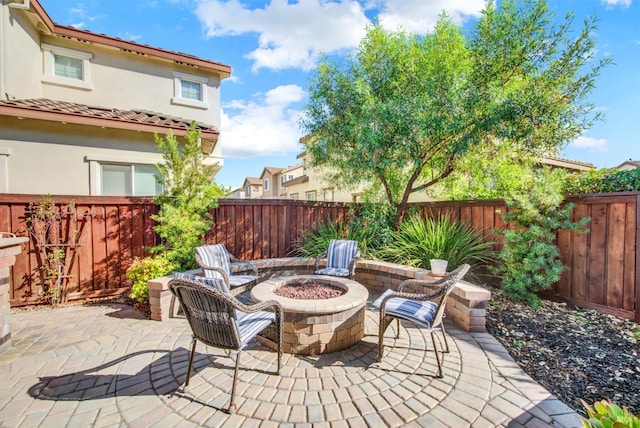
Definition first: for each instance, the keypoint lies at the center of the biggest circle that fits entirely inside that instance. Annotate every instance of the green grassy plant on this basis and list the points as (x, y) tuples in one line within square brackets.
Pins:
[(418, 240)]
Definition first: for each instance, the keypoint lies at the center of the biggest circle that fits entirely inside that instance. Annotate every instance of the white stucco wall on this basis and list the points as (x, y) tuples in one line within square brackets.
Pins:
[(20, 57), (63, 159)]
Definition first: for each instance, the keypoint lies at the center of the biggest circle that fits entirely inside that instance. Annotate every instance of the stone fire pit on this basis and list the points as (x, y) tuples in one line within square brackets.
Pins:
[(318, 326)]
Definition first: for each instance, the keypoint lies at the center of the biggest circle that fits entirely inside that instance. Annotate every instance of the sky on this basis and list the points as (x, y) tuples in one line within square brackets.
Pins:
[(273, 46)]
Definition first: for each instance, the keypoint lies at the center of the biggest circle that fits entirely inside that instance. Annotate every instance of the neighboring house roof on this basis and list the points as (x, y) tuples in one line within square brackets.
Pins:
[(297, 180), (47, 25), (81, 114), (630, 162), (567, 163), (254, 181), (271, 170)]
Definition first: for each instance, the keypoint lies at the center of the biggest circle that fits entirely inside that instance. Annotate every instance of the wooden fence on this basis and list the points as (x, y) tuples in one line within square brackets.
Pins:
[(116, 230), (602, 272)]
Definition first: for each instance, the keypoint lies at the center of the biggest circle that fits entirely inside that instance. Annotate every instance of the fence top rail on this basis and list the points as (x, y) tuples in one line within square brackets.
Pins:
[(18, 198)]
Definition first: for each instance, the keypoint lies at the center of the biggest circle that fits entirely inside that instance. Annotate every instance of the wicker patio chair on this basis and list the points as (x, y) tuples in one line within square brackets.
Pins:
[(424, 310), (216, 262), (218, 319), (341, 255)]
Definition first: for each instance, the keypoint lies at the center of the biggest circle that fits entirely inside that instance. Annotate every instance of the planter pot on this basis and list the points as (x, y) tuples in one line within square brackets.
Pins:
[(438, 267)]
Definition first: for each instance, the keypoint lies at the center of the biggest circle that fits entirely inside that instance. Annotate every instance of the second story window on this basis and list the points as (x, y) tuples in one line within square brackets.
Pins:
[(266, 184), (247, 191), (190, 90), (66, 67)]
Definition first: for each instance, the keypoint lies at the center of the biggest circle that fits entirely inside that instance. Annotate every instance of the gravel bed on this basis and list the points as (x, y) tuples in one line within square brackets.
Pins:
[(575, 353)]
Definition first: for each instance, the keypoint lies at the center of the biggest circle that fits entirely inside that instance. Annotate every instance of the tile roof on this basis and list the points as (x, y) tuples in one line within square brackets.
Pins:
[(253, 181), (47, 109)]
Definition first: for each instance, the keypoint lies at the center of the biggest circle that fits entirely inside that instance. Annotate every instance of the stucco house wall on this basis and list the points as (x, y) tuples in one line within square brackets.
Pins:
[(127, 93)]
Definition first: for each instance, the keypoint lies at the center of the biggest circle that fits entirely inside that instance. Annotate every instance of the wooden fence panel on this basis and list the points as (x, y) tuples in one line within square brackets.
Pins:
[(602, 265)]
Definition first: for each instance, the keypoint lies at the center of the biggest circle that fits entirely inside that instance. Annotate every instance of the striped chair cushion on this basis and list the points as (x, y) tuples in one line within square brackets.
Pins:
[(341, 252), (250, 324), (215, 283), (214, 256), (421, 313), (333, 271), (237, 280)]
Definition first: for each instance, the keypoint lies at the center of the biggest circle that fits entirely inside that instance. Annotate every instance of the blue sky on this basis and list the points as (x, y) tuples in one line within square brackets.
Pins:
[(272, 46)]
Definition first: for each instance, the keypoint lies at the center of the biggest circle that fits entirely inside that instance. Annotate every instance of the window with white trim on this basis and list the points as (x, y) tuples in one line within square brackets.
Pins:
[(247, 191), (190, 90), (328, 195), (311, 196), (129, 180), (293, 196), (266, 184), (66, 67)]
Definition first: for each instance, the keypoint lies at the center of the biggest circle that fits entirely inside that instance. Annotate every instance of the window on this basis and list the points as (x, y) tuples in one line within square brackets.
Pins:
[(328, 195), (293, 196), (247, 191), (190, 90), (129, 180), (66, 67), (266, 184), (311, 196)]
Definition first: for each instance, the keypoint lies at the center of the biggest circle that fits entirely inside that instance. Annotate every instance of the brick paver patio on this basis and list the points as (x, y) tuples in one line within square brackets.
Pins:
[(103, 365)]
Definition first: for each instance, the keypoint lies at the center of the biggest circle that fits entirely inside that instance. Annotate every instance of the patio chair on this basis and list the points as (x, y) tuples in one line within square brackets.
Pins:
[(423, 310), (218, 319), (216, 262), (341, 255)]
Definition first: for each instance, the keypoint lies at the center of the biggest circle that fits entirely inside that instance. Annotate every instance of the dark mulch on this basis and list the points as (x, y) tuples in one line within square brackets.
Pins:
[(574, 353)]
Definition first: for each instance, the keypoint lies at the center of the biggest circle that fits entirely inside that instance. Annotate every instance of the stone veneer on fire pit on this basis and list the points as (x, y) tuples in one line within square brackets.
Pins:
[(318, 326)]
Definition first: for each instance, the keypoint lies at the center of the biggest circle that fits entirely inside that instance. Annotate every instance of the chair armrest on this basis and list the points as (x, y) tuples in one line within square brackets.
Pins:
[(317, 262), (256, 307), (222, 272), (352, 265)]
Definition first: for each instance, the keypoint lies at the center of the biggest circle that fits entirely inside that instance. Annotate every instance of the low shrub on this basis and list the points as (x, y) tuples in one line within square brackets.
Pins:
[(605, 414), (603, 181), (143, 270), (418, 240)]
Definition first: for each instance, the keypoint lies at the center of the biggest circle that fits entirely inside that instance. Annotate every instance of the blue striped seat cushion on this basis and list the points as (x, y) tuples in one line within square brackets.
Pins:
[(333, 271), (250, 324), (237, 280), (214, 256), (215, 283), (341, 252), (421, 313)]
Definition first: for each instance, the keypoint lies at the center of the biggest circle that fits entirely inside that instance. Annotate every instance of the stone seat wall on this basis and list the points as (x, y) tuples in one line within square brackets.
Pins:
[(466, 306)]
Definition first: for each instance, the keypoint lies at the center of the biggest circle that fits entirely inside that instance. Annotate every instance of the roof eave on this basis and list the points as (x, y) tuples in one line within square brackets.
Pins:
[(113, 123)]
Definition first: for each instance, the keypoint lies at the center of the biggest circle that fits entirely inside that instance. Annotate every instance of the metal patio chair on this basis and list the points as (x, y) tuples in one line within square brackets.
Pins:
[(218, 319), (422, 309), (341, 255)]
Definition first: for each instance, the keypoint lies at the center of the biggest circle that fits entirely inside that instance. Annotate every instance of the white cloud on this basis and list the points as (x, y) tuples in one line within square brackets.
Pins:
[(289, 35), (590, 144), (266, 125), (421, 16), (613, 3)]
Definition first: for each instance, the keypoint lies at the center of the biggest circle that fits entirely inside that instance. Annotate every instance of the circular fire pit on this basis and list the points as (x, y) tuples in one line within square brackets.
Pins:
[(317, 326)]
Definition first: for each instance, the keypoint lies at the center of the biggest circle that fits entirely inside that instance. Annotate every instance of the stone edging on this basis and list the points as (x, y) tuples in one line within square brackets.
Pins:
[(466, 306)]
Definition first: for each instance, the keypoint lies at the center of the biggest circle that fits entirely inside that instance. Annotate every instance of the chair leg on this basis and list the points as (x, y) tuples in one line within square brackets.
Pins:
[(384, 323), (193, 351), (435, 351), (398, 328), (172, 305), (446, 342), (232, 408)]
